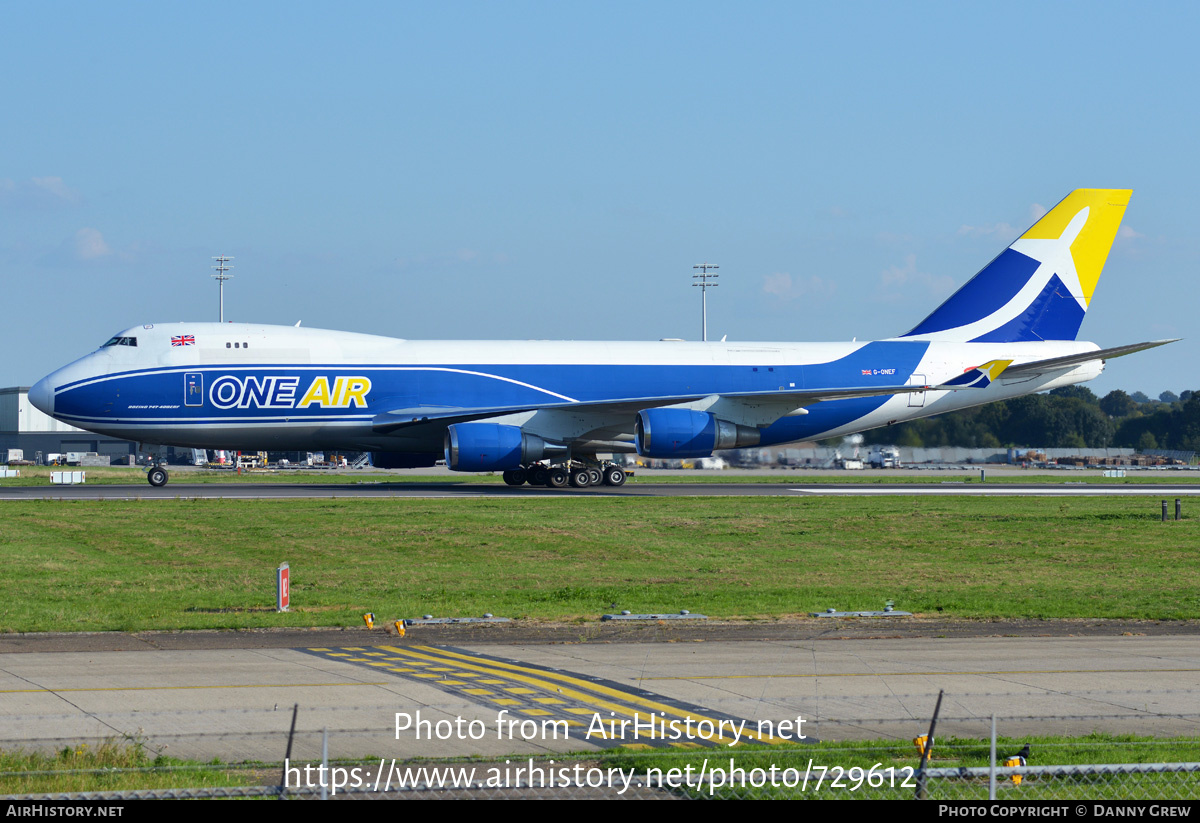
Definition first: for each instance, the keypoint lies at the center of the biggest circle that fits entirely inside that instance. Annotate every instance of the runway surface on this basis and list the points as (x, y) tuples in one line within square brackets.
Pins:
[(540, 698), (269, 491)]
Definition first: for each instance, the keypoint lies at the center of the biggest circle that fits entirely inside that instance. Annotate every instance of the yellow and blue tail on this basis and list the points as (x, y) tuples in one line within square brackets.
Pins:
[(1039, 287)]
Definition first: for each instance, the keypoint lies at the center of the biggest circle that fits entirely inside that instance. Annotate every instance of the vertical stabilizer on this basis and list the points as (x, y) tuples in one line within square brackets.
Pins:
[(1039, 287)]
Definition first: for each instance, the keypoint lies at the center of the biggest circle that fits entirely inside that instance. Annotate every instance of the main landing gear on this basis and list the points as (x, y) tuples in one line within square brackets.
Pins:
[(157, 476), (577, 475)]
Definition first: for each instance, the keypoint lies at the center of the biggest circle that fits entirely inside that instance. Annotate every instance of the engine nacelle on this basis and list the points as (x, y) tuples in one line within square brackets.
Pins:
[(402, 460), (486, 447), (676, 433)]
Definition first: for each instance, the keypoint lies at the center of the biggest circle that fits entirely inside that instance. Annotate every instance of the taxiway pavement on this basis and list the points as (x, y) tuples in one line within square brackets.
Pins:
[(235, 703)]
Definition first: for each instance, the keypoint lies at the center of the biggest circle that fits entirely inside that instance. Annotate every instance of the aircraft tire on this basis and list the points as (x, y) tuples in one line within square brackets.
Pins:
[(557, 478), (538, 476), (614, 476), (581, 478), (595, 477), (157, 476), (515, 477)]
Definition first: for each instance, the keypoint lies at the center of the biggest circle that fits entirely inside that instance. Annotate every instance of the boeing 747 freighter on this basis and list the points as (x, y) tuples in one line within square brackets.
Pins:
[(545, 412)]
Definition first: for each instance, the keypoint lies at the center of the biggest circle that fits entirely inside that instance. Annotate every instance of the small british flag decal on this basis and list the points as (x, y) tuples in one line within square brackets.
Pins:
[(183, 340)]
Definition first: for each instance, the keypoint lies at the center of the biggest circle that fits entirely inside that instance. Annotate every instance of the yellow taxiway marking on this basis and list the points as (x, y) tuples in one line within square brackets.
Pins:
[(190, 688), (585, 691), (929, 673)]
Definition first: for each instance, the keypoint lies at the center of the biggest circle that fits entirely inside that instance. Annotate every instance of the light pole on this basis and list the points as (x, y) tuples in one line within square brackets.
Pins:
[(221, 277), (705, 284)]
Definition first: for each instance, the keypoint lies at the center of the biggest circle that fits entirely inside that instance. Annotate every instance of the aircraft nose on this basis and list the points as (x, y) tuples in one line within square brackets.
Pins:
[(42, 396)]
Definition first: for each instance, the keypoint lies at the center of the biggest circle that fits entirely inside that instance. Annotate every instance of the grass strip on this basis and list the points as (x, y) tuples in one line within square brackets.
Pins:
[(111, 766), (194, 564)]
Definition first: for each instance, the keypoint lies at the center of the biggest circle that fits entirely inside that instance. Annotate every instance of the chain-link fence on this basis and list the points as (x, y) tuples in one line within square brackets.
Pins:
[(598, 780), (1095, 767), (1146, 751)]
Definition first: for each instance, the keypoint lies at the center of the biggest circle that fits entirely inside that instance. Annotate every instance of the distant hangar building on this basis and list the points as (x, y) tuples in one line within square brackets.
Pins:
[(24, 427)]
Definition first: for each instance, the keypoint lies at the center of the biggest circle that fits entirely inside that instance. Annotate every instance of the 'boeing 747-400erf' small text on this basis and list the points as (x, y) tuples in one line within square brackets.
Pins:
[(545, 412)]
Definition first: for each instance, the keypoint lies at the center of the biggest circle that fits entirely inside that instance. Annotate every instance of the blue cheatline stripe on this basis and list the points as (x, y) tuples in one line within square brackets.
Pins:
[(340, 368)]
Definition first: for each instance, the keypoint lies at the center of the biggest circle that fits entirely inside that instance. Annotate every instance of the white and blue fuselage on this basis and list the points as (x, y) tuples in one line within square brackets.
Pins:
[(241, 386), (485, 406)]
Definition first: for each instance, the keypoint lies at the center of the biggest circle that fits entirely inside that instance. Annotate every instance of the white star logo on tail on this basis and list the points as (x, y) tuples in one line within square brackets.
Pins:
[(1055, 255)]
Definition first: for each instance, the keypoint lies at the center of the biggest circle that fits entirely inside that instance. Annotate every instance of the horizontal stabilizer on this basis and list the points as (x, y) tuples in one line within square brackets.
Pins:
[(1069, 360)]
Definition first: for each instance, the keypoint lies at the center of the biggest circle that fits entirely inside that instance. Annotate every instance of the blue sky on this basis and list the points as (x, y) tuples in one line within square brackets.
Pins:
[(554, 170)]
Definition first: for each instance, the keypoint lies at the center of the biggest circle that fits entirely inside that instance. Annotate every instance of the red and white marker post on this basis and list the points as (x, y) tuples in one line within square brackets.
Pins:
[(283, 588)]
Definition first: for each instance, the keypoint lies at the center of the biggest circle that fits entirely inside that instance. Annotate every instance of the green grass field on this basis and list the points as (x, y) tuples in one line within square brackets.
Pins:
[(175, 564), (109, 767)]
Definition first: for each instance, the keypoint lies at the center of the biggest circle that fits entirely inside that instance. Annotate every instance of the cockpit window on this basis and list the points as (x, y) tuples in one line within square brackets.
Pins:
[(120, 341)]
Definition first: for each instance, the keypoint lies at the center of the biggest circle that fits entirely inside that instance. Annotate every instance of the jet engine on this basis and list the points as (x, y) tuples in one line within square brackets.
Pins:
[(676, 433), (485, 447)]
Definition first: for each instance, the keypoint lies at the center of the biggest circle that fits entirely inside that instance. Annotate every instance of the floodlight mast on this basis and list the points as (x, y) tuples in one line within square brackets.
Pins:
[(705, 277), (221, 277)]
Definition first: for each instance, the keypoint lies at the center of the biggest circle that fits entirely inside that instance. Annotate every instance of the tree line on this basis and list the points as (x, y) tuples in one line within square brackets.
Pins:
[(1068, 417)]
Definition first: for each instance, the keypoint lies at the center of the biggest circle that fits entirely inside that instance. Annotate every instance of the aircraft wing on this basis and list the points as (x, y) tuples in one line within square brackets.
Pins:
[(759, 408)]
